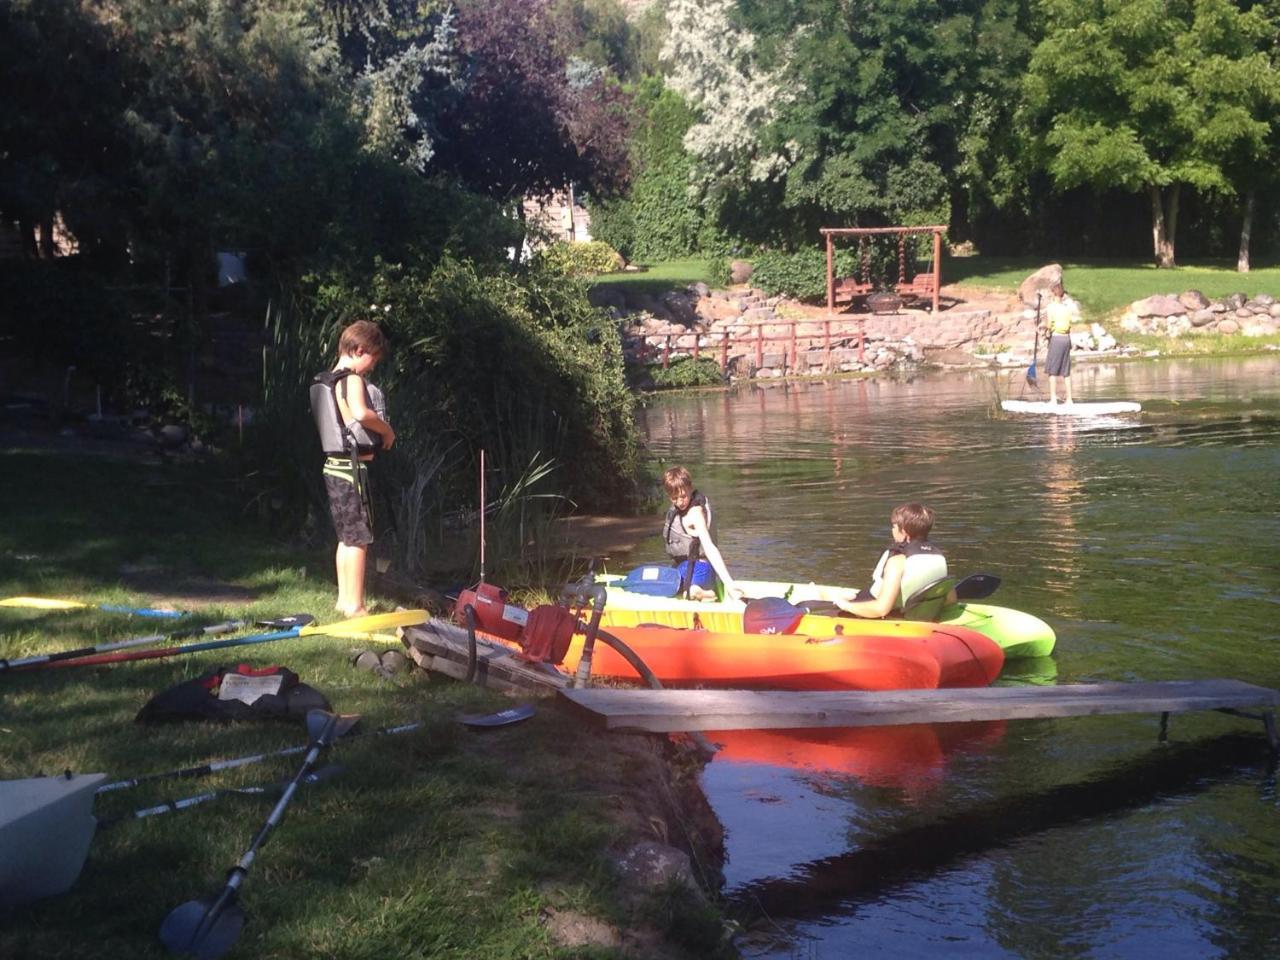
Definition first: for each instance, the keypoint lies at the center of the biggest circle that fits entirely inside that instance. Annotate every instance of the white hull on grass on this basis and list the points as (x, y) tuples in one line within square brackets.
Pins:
[(46, 824)]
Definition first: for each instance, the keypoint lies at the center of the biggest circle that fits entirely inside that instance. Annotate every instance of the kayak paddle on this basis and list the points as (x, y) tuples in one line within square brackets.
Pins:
[(186, 803), (216, 766), (775, 615), (373, 622), (208, 928), (47, 603), (41, 659), (1035, 351)]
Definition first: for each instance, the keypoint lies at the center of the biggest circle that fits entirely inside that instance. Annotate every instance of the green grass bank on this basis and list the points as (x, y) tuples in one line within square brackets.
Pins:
[(441, 843)]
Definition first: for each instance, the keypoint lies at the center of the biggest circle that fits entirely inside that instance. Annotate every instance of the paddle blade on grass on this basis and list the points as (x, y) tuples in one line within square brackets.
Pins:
[(205, 928)]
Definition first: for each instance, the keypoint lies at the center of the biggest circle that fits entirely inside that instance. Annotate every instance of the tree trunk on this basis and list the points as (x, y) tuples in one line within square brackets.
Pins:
[(30, 243), (47, 249), (1246, 232), (1164, 224)]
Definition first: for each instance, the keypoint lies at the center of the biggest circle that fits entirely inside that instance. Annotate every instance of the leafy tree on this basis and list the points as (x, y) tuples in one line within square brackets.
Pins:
[(62, 150), (715, 68), (659, 218), (526, 120), (1151, 95), (905, 109)]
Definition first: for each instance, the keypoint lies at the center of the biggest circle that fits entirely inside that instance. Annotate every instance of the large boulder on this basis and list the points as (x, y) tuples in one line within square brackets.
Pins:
[(1039, 283), (740, 271), (1193, 300), (1158, 306)]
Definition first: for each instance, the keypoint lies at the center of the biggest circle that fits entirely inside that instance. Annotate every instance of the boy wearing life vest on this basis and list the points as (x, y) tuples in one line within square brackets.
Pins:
[(350, 415), (911, 562), (1059, 315), (686, 534)]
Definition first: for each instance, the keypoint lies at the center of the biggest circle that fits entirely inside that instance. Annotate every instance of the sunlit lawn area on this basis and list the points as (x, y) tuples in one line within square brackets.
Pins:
[(1101, 286), (665, 275), (1106, 286)]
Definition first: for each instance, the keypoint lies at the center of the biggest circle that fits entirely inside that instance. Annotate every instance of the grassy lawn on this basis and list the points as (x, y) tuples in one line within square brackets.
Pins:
[(1105, 286), (441, 843), (663, 276)]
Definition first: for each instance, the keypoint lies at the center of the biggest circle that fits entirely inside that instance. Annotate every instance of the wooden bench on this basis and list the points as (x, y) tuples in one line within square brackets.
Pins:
[(919, 287), (848, 289)]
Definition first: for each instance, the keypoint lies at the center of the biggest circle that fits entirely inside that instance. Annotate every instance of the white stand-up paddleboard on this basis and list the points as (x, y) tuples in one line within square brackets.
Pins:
[(46, 824), (1070, 409)]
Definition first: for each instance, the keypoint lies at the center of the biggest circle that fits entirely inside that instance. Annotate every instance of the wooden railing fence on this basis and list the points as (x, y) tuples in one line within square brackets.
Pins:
[(727, 341)]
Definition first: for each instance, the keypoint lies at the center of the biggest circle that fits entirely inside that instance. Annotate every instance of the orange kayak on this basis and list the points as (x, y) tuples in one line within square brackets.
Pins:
[(941, 656)]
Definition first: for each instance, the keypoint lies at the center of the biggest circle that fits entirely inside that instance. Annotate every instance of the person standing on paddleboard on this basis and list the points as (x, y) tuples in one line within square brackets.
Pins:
[(686, 533), (1059, 315), (350, 416)]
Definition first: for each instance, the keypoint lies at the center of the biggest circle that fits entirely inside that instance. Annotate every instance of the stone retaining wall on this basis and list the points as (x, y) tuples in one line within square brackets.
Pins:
[(1002, 330), (1194, 313)]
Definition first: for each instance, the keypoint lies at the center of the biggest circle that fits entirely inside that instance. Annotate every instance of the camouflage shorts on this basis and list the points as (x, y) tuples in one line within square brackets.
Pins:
[(352, 520)]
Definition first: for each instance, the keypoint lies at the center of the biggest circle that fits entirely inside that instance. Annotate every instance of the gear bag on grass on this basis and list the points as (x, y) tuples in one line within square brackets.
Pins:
[(241, 692)]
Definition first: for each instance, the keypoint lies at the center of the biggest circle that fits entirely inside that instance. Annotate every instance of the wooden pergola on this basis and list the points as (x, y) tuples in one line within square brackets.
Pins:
[(920, 285)]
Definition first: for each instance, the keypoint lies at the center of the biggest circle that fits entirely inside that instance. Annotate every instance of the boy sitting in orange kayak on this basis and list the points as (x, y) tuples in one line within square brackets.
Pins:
[(909, 564)]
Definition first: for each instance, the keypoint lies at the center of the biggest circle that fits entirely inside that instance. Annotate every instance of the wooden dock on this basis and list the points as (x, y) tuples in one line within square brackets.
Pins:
[(670, 711)]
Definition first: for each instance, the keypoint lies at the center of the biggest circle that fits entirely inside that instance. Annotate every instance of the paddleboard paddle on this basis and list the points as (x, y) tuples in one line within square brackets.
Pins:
[(217, 766), (51, 603), (369, 624), (209, 927), (186, 803), (1035, 351), (41, 659)]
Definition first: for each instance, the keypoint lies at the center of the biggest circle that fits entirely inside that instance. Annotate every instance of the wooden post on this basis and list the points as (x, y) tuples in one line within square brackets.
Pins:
[(831, 277), (759, 347), (861, 337), (937, 267), (826, 344), (795, 349), (666, 353), (697, 346), (724, 351)]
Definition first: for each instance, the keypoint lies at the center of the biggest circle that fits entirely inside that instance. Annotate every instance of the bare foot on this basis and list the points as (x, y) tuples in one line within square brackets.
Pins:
[(357, 612)]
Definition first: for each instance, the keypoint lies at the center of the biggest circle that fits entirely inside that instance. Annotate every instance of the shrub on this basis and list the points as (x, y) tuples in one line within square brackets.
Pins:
[(802, 274), (688, 372), (580, 259)]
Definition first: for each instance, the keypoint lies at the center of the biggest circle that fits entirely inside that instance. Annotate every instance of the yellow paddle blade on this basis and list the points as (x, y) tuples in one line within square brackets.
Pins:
[(359, 626), (41, 603), (387, 639)]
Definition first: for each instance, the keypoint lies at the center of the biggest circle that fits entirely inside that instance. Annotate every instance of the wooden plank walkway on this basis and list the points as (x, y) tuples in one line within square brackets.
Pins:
[(669, 711)]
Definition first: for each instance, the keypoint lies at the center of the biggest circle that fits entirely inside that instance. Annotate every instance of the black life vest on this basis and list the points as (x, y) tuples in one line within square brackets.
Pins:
[(680, 544), (339, 439), (276, 694)]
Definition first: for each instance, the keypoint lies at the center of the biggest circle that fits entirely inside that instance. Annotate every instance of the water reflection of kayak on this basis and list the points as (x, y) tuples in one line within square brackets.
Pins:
[(1017, 633), (906, 756), (900, 657)]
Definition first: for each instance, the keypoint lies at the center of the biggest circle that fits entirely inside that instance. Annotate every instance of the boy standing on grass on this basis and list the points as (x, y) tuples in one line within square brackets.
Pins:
[(350, 442)]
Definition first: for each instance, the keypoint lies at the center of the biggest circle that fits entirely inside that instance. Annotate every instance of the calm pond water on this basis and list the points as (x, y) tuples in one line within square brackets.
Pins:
[(1148, 542)]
